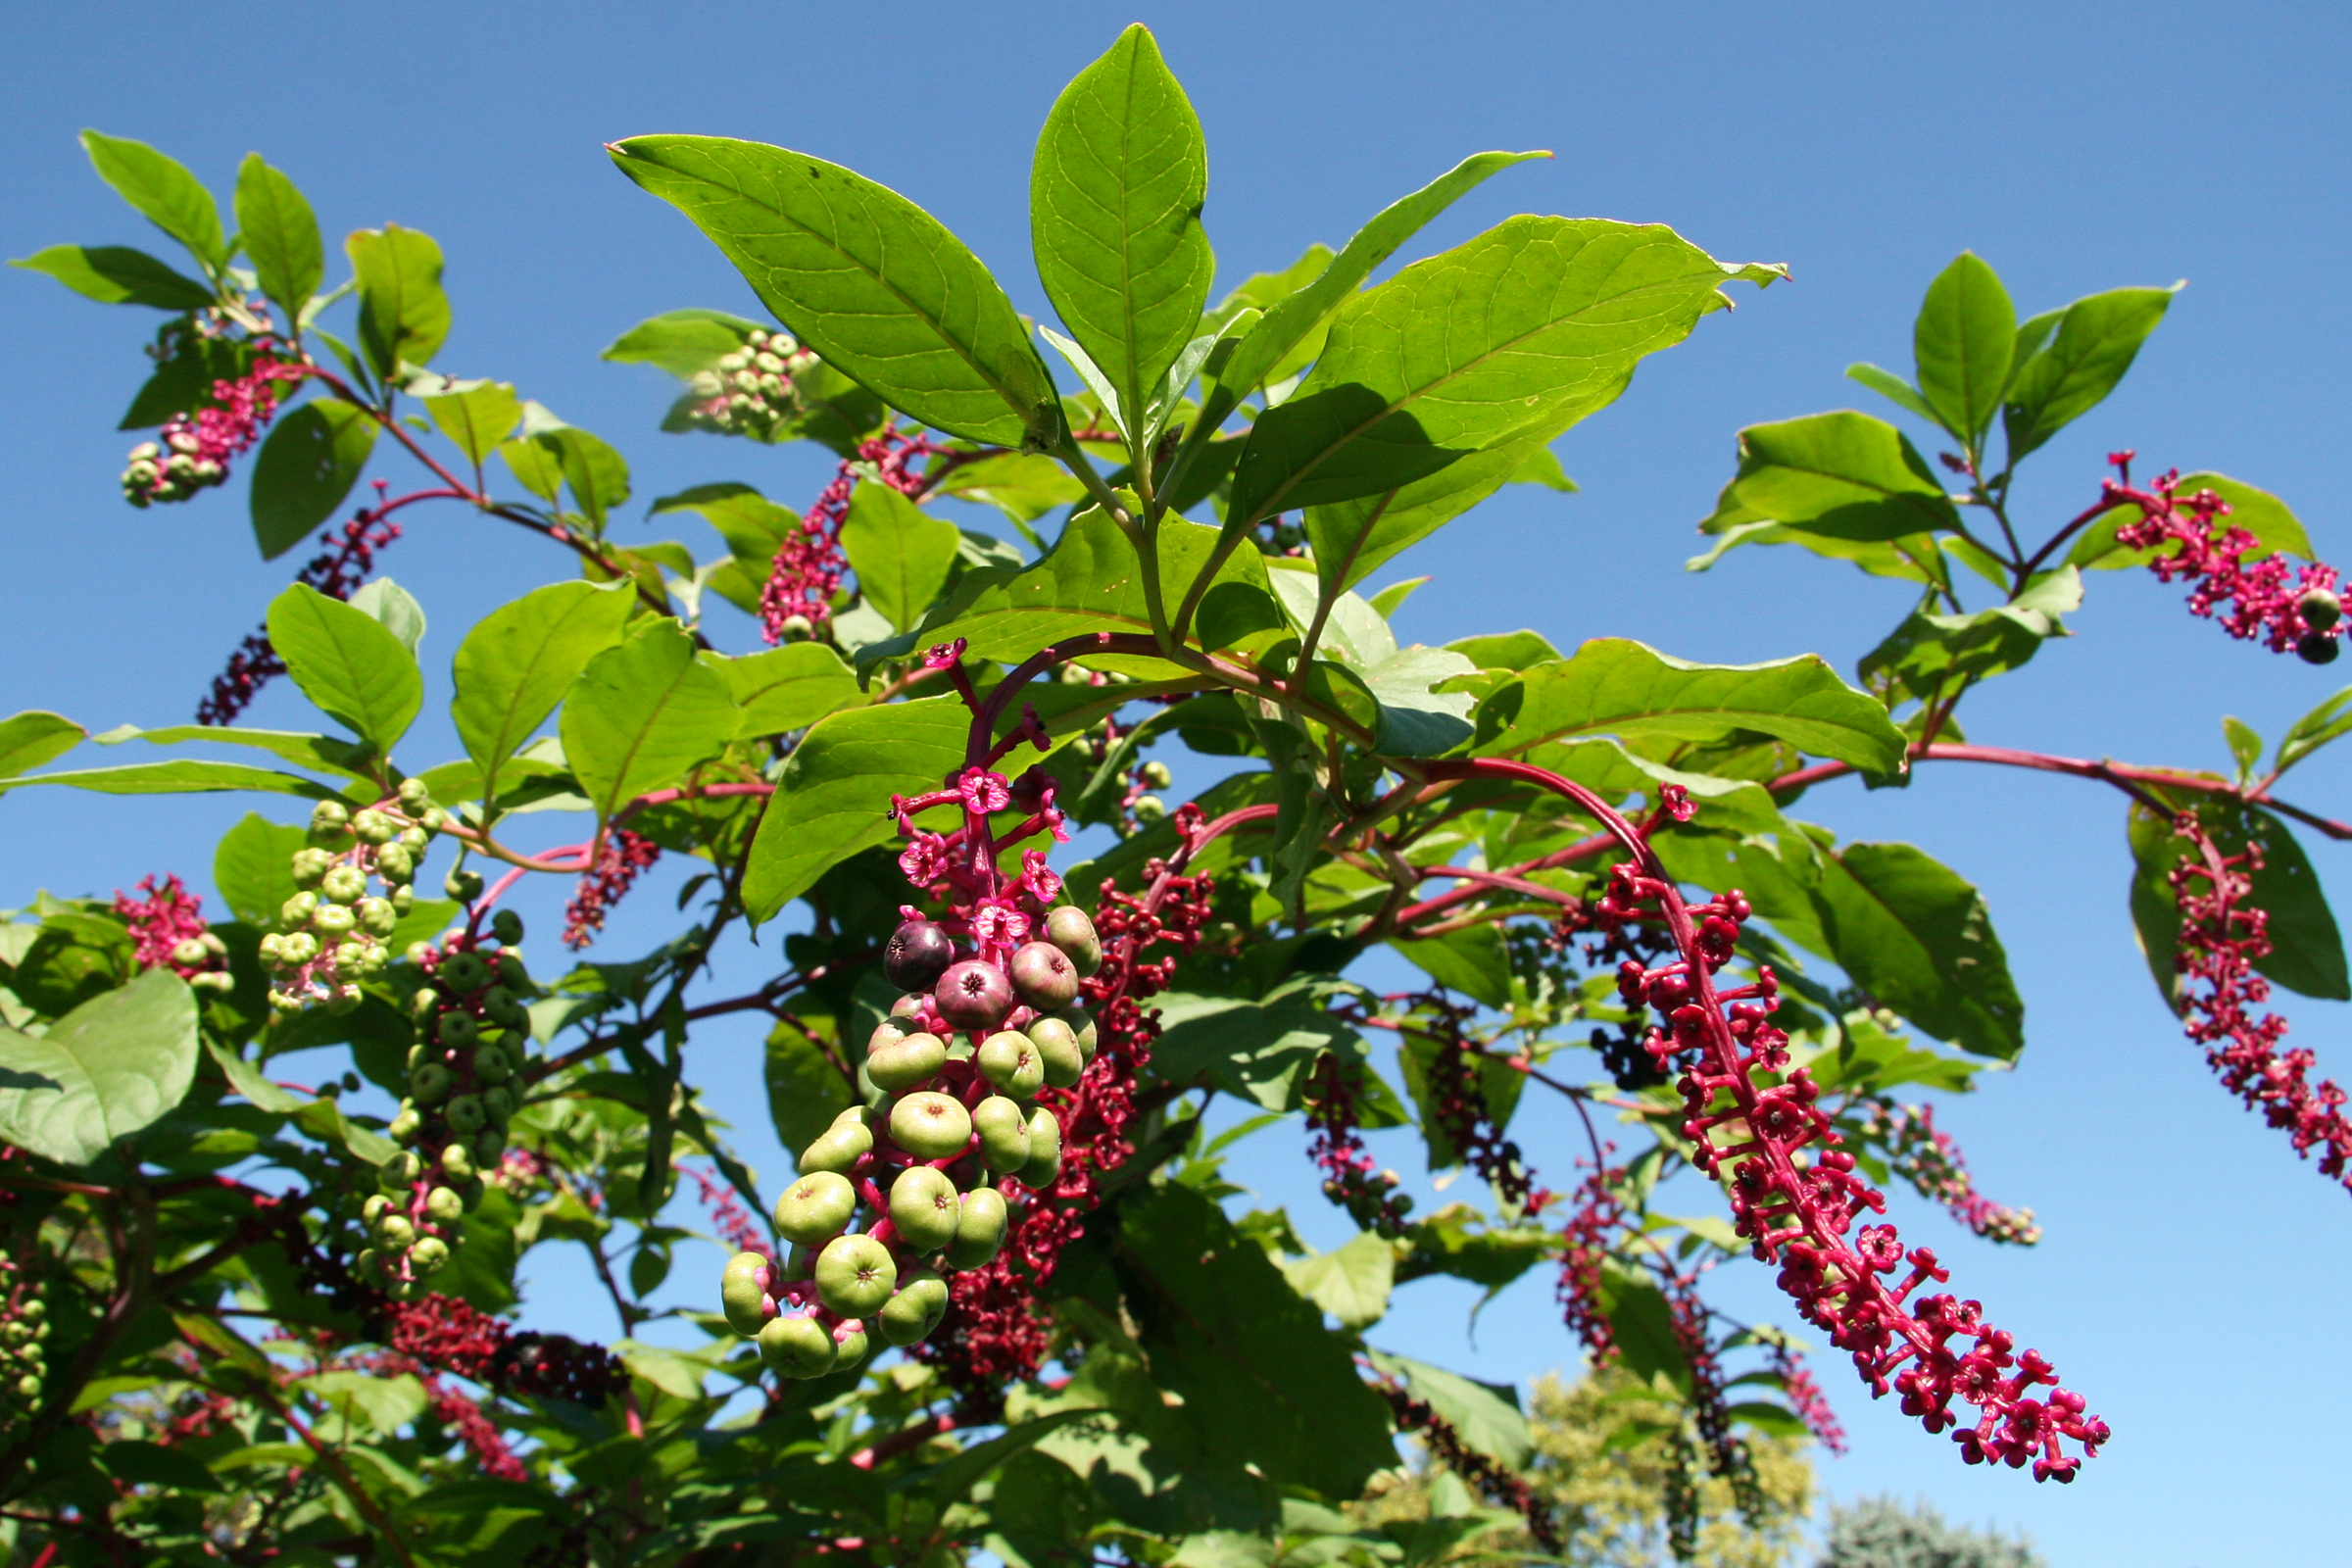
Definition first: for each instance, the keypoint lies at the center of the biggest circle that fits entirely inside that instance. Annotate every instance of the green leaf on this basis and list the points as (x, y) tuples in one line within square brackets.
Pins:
[(476, 415), (1843, 474), (367, 1400), (789, 688), (138, 1463), (2258, 512), (388, 602), (1257, 1050), (161, 189), (866, 278), (117, 275), (1307, 304), (2307, 951), (1096, 381), (1888, 385), (1114, 213), (1486, 1414), (1534, 323), (322, 751), (1920, 940), (599, 476), (35, 737), (348, 663), (110, 1068), (1474, 960), (643, 713), (2244, 745), (180, 777), (1253, 1363), (281, 236), (1022, 487), (901, 553), (1414, 720), (1642, 1324), (681, 342), (252, 868), (312, 459), (1614, 686), (1963, 338), (1929, 655), (1351, 1284), (1543, 467), (520, 660), (1091, 582), (404, 316), (2098, 337), (1352, 539), (2315, 729), (834, 799), (806, 1087)]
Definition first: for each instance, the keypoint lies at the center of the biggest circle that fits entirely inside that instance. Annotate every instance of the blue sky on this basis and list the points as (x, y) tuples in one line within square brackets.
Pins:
[(2191, 1279)]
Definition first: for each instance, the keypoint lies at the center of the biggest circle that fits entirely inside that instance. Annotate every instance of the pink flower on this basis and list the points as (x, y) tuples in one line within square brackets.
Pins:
[(926, 860), (984, 790), (1045, 883), (999, 922)]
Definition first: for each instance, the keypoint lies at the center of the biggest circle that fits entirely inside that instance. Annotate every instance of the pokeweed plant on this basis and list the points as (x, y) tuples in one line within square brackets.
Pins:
[(1004, 1304)]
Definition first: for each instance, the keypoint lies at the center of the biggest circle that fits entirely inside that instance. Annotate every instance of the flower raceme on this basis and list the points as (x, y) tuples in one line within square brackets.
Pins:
[(1929, 1159), (1753, 1123), (798, 597), (191, 452), (167, 932)]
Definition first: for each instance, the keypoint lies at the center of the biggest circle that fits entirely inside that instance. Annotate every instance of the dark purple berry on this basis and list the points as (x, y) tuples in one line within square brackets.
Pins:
[(974, 995), (2317, 647), (918, 953)]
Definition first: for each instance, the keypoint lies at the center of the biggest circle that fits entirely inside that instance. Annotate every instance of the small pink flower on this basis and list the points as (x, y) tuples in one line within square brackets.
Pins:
[(926, 860), (1045, 885), (983, 791), (998, 922)]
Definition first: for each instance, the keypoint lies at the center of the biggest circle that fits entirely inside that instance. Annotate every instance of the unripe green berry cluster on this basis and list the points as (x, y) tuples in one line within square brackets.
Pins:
[(465, 1077), (331, 934), (894, 1190), (169, 471), (749, 391), (23, 1329)]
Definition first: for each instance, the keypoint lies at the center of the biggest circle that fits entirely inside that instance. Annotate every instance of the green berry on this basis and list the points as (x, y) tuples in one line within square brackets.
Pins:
[(490, 1146), (296, 911), (412, 794), (463, 885), (855, 1275), (922, 1208), (979, 1228), (497, 1101), (400, 1172), (375, 915), (331, 921), (456, 1030), (1157, 774), (1082, 1025), (797, 1347), (849, 1344), (456, 1160), (329, 819), (393, 1231), (910, 1314), (490, 1064), (463, 973), (1057, 1046), (930, 1126), (506, 927), (743, 1293), (396, 863), (904, 1061), (1003, 1135), (310, 864), (373, 827), (443, 1207), (343, 885), (429, 1083), (429, 1254), (837, 1149), (463, 1115), (1009, 1062), (405, 1125), (1068, 928), (1044, 1149), (816, 1207)]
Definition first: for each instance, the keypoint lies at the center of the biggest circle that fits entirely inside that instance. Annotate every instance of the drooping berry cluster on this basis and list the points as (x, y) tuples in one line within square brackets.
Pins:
[(23, 1329), (168, 931), (619, 860), (1926, 1156), (1749, 1116), (1352, 1177), (1812, 1407), (2267, 596), (1594, 1221), (1500, 1485), (333, 932), (1609, 944), (2222, 935), (987, 1020), (1459, 1102), (798, 597), (1711, 1412), (996, 1333), (748, 391), (465, 1074), (335, 571), (191, 452)]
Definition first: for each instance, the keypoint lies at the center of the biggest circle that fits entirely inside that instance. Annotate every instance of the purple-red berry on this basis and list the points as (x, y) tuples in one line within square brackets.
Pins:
[(1044, 977), (974, 995), (918, 953)]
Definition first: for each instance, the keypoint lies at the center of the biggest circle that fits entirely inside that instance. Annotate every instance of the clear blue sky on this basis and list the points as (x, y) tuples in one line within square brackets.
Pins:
[(2193, 1274)]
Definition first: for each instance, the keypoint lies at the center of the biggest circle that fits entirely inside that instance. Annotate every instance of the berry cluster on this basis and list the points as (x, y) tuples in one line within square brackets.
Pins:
[(1926, 1158), (749, 391), (620, 859), (952, 1119), (1497, 1482), (1352, 1178), (1138, 808), (24, 1326), (465, 1074), (1812, 1407), (1749, 1117), (1584, 1249), (1458, 1103), (168, 931), (335, 571), (333, 932), (2268, 596), (797, 598), (192, 450), (2222, 935)]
